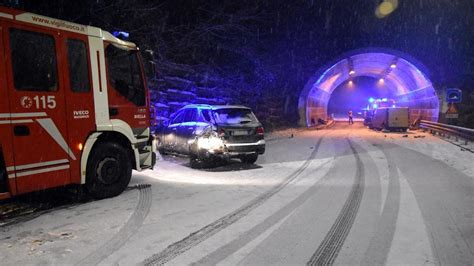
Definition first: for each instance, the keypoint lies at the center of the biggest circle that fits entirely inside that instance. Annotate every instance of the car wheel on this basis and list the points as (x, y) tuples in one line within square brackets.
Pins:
[(160, 146), (249, 158), (198, 163), (195, 162), (109, 169)]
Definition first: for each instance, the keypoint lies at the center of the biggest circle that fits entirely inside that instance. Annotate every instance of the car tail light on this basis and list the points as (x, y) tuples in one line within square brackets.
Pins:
[(260, 131), (221, 132)]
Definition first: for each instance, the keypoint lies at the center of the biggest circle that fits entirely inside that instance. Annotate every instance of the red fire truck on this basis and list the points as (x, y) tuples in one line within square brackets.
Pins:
[(74, 107)]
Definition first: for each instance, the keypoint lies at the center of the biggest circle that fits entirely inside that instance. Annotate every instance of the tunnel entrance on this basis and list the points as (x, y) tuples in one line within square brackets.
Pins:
[(352, 79)]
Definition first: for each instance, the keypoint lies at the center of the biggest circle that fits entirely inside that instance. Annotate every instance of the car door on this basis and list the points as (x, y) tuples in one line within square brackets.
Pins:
[(170, 132), (186, 129), (37, 106)]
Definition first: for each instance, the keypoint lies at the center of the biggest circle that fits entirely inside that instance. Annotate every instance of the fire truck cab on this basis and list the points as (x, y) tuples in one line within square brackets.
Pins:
[(74, 107)]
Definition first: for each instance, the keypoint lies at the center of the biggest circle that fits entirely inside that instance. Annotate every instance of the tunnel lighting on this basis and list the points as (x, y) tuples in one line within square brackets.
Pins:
[(379, 65), (386, 8), (352, 72)]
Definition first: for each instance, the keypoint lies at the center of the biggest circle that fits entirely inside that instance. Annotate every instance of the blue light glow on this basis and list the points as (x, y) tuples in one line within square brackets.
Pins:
[(375, 105), (371, 100), (384, 99), (121, 34)]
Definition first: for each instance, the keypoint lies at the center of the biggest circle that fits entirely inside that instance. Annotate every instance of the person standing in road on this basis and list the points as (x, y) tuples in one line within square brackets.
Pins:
[(350, 118)]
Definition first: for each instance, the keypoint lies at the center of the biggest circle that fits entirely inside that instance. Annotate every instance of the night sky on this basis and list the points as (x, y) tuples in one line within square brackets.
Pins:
[(261, 53)]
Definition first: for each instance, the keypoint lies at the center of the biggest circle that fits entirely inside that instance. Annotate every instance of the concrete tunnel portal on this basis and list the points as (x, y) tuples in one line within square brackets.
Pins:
[(400, 74)]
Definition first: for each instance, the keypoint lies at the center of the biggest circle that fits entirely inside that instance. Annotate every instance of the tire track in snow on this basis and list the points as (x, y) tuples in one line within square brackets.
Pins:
[(181, 246), (129, 229), (334, 240), (380, 244)]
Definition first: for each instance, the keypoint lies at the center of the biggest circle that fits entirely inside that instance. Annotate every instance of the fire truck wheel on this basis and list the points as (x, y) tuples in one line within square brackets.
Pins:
[(109, 169)]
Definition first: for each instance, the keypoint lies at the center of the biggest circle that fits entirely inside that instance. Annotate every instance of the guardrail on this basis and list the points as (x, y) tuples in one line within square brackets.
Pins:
[(450, 130)]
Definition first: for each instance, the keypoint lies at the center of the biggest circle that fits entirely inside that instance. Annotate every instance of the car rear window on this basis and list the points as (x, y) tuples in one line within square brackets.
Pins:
[(234, 116)]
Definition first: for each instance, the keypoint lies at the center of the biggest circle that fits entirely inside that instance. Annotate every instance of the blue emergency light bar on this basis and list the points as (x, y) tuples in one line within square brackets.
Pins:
[(121, 34)]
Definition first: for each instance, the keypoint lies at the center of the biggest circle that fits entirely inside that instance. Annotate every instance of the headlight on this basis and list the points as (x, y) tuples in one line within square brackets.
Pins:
[(210, 143)]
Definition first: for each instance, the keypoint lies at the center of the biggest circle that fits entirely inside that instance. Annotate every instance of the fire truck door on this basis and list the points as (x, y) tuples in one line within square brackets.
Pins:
[(80, 114), (37, 105)]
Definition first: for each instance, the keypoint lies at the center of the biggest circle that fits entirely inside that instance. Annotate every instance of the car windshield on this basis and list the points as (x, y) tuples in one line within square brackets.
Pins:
[(234, 116)]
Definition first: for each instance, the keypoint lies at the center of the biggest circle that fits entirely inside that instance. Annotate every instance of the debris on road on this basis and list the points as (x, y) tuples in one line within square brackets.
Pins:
[(419, 136)]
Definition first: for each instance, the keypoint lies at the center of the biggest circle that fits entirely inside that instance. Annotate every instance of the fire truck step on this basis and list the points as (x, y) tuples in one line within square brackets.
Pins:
[(5, 195), (145, 159)]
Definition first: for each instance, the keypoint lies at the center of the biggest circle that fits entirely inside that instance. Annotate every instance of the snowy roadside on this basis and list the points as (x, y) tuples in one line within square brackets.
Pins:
[(454, 153)]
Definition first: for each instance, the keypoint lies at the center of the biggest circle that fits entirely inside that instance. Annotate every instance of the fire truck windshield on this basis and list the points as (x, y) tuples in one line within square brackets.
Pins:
[(125, 73)]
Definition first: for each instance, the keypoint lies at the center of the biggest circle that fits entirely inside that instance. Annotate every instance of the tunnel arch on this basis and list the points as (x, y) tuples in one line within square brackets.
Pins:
[(408, 79)]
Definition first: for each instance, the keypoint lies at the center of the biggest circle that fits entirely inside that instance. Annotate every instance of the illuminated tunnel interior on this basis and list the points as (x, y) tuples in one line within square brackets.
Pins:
[(348, 83)]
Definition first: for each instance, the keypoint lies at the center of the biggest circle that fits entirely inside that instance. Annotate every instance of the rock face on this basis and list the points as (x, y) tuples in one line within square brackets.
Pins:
[(179, 85), (176, 87), (169, 97)]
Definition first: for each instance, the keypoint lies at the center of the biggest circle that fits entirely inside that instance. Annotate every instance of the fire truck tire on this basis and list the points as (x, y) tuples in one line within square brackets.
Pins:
[(109, 169)]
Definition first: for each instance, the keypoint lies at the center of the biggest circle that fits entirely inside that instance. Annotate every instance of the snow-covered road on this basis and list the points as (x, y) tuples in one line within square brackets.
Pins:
[(345, 195)]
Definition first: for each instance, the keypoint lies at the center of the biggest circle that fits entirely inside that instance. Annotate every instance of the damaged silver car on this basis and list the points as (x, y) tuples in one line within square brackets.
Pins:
[(209, 132)]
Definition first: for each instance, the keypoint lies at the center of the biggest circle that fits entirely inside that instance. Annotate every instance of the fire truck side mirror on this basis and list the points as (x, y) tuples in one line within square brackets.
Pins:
[(150, 65), (150, 69)]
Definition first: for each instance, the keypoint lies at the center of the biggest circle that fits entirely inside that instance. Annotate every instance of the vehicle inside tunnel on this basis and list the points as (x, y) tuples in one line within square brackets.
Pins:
[(356, 95), (352, 79)]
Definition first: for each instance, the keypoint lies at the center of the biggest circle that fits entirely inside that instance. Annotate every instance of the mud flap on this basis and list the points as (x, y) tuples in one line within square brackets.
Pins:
[(3, 175), (153, 160)]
